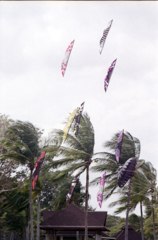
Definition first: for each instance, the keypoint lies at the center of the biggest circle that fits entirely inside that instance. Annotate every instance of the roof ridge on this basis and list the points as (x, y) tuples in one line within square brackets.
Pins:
[(119, 234), (56, 212), (72, 204)]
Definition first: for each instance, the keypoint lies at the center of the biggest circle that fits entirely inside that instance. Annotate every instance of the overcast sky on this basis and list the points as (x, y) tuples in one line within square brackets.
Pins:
[(33, 40)]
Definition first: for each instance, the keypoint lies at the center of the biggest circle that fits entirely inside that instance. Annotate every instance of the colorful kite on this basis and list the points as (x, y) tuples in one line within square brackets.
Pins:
[(66, 59), (68, 125), (109, 73), (101, 189), (73, 185), (78, 118), (126, 171), (119, 145), (37, 169), (105, 33)]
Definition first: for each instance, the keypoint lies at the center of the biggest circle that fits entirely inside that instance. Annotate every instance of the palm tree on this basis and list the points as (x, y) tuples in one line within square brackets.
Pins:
[(22, 145), (148, 225), (107, 162), (76, 153), (151, 202), (139, 192)]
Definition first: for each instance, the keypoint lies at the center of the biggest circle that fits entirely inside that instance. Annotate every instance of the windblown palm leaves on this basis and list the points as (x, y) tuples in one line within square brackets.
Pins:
[(77, 152), (22, 144), (130, 151), (107, 161)]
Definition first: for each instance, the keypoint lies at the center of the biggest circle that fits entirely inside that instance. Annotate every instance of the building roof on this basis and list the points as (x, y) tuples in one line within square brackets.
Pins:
[(73, 218), (132, 234)]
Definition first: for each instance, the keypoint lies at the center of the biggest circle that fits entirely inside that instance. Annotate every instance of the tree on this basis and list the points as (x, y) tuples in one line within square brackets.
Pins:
[(107, 162), (8, 168), (140, 191), (21, 144), (152, 206), (77, 153), (78, 197), (16, 203)]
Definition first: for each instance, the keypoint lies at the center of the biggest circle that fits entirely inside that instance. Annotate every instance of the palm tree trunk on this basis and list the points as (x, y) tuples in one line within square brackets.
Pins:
[(27, 228), (31, 209), (12, 235), (127, 212), (38, 218), (4, 238), (141, 212), (154, 224), (86, 204)]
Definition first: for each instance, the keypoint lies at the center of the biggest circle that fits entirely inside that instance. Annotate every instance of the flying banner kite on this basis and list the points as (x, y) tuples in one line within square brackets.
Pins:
[(78, 118), (119, 145), (126, 171), (37, 169), (101, 189), (66, 59), (68, 125), (105, 33), (73, 185), (109, 73)]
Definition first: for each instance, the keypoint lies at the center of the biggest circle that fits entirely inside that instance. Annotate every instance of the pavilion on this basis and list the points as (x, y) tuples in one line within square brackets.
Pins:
[(132, 234), (68, 224)]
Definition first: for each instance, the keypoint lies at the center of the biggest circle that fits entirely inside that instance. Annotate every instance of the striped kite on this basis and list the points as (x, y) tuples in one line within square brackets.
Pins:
[(109, 73), (66, 59), (101, 189), (37, 169), (105, 33), (126, 171), (78, 118), (73, 185), (119, 145), (68, 125)]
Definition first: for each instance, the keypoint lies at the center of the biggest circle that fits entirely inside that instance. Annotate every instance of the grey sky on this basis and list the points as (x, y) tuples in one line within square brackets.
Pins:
[(33, 40)]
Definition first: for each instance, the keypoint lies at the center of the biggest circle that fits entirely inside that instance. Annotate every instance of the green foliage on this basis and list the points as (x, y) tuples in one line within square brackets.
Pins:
[(114, 223), (148, 226), (106, 161), (78, 197), (135, 220)]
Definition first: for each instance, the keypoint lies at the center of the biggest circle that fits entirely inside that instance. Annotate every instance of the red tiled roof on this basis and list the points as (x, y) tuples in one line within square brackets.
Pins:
[(73, 218)]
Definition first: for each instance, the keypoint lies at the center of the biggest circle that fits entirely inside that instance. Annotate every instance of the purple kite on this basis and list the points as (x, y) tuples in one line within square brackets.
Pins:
[(66, 59), (119, 145), (105, 33), (109, 73), (126, 171), (101, 189), (37, 169)]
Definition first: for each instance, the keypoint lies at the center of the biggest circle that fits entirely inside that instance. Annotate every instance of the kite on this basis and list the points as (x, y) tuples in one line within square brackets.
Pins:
[(78, 118), (68, 125), (66, 59), (70, 192), (109, 73), (105, 33), (119, 145), (126, 171), (37, 169), (101, 189)]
